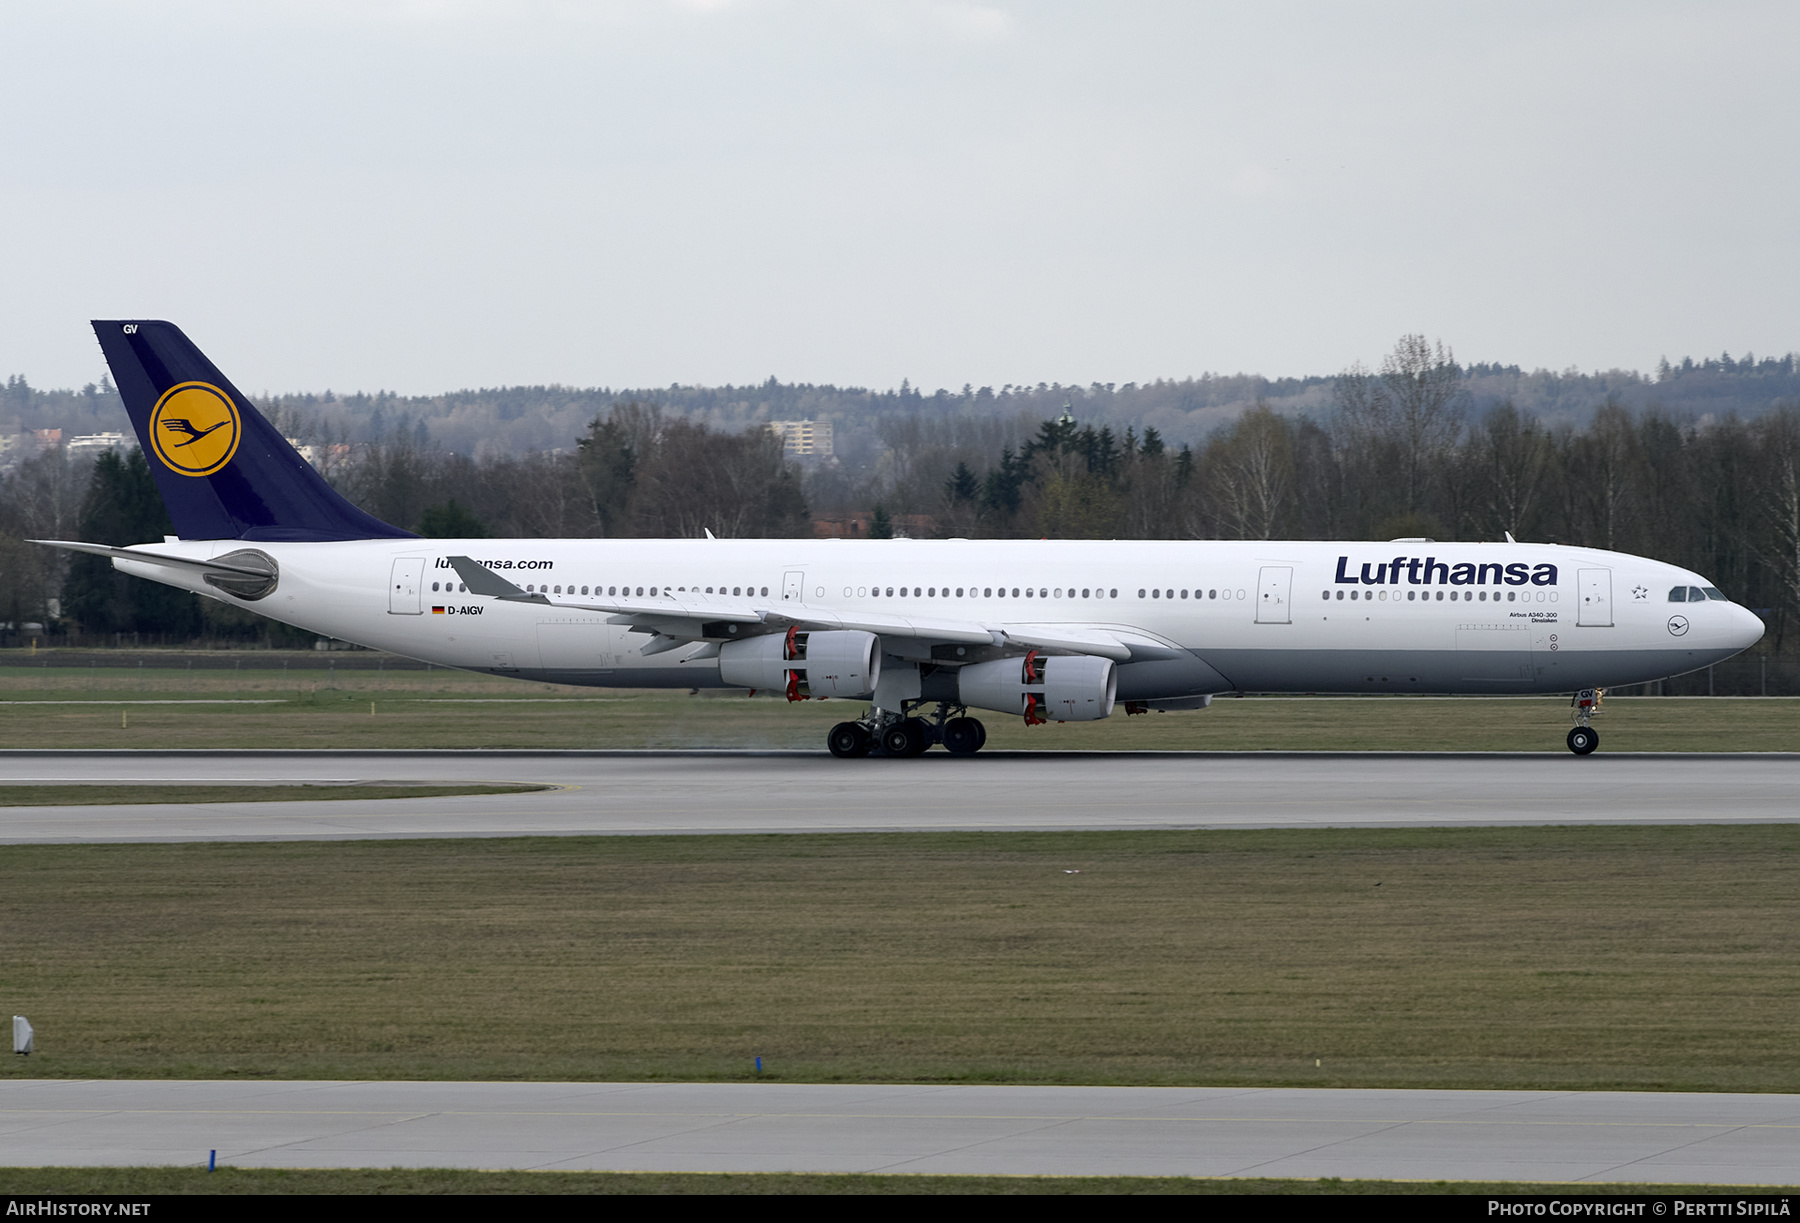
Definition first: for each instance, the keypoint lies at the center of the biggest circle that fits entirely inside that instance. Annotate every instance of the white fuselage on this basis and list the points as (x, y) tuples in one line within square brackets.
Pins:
[(1248, 616)]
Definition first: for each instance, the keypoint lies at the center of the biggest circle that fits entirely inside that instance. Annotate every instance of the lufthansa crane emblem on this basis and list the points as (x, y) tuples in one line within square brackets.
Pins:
[(194, 428)]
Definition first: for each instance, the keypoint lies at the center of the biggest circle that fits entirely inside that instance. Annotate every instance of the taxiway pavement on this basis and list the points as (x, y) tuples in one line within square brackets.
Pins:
[(756, 1127), (600, 793)]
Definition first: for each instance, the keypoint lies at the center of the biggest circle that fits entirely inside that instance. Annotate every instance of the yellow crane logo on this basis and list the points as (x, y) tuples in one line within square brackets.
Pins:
[(194, 428)]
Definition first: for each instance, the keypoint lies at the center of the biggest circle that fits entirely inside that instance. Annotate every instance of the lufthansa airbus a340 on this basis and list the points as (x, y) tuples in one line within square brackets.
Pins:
[(924, 631)]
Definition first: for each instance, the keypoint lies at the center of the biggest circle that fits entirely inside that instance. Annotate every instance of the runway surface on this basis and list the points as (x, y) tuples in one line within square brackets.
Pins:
[(755, 1127), (722, 792)]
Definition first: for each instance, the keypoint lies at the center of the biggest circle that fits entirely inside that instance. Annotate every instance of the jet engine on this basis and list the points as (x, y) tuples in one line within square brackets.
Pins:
[(1078, 688), (843, 664)]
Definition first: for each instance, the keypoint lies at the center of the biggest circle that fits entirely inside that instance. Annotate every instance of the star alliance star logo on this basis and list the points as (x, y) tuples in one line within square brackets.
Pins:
[(1640, 592)]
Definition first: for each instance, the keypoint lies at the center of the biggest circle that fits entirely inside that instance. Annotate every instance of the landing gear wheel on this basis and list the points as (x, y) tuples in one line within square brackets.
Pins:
[(921, 735), (964, 736), (848, 740), (906, 738), (1583, 740)]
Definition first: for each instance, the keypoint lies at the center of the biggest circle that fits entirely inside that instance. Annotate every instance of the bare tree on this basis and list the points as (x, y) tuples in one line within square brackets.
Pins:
[(734, 485), (1603, 466), (1780, 501), (1400, 423), (1249, 475), (1511, 454)]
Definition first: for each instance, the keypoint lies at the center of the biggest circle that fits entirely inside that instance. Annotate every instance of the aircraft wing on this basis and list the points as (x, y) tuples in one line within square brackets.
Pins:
[(923, 628), (1075, 639), (673, 606), (681, 616)]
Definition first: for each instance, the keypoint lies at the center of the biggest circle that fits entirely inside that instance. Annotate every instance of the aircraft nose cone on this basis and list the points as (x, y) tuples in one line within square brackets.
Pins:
[(1746, 627)]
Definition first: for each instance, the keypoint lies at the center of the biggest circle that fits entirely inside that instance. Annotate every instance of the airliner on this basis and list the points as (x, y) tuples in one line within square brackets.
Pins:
[(922, 631)]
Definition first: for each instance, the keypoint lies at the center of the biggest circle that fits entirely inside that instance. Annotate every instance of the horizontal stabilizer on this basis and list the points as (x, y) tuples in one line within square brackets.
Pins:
[(154, 558), (246, 573)]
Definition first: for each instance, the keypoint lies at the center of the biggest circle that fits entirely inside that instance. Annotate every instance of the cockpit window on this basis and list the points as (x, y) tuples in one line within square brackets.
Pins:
[(1712, 592), (1678, 595)]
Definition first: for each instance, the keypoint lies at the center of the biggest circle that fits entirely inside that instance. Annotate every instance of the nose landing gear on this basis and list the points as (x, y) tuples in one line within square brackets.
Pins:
[(1584, 738)]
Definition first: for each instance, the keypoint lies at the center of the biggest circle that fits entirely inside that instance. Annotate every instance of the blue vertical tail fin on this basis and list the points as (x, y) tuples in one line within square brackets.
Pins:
[(223, 470)]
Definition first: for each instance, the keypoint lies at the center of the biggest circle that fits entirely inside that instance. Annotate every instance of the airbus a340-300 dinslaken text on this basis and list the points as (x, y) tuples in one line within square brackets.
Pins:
[(924, 631)]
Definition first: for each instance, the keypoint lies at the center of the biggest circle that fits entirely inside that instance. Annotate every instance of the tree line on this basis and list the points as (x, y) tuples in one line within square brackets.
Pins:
[(494, 421)]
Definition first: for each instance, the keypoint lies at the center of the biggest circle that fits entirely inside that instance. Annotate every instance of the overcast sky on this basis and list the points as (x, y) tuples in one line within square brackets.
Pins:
[(426, 196)]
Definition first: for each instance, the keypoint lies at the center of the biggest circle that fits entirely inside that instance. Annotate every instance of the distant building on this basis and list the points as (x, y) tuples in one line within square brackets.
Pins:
[(856, 526), (93, 445), (803, 438), (334, 453)]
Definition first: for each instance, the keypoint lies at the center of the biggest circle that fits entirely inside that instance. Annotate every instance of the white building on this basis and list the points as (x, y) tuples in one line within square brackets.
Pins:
[(803, 438), (93, 445)]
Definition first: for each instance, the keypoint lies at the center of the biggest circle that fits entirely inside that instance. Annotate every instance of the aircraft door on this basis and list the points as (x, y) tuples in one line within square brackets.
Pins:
[(405, 585), (1275, 588), (793, 587), (1595, 587)]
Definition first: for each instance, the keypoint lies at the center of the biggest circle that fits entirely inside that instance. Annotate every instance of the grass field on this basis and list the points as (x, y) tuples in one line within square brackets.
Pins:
[(291, 1181), (45, 707), (1503, 957)]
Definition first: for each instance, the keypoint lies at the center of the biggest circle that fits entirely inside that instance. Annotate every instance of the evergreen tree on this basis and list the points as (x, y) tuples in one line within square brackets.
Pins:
[(123, 507), (451, 521), (962, 485)]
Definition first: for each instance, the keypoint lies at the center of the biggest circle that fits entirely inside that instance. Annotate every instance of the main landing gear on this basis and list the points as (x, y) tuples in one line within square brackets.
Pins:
[(889, 734), (1584, 738)]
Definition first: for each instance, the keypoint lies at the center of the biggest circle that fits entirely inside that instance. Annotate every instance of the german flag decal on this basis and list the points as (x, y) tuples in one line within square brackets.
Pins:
[(437, 611)]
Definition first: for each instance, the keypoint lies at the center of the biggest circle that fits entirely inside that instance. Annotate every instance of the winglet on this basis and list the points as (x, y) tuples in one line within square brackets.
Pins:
[(484, 581)]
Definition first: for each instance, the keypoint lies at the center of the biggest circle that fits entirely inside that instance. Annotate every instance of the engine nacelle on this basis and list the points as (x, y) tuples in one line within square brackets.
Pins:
[(841, 664), (845, 664), (1079, 688)]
